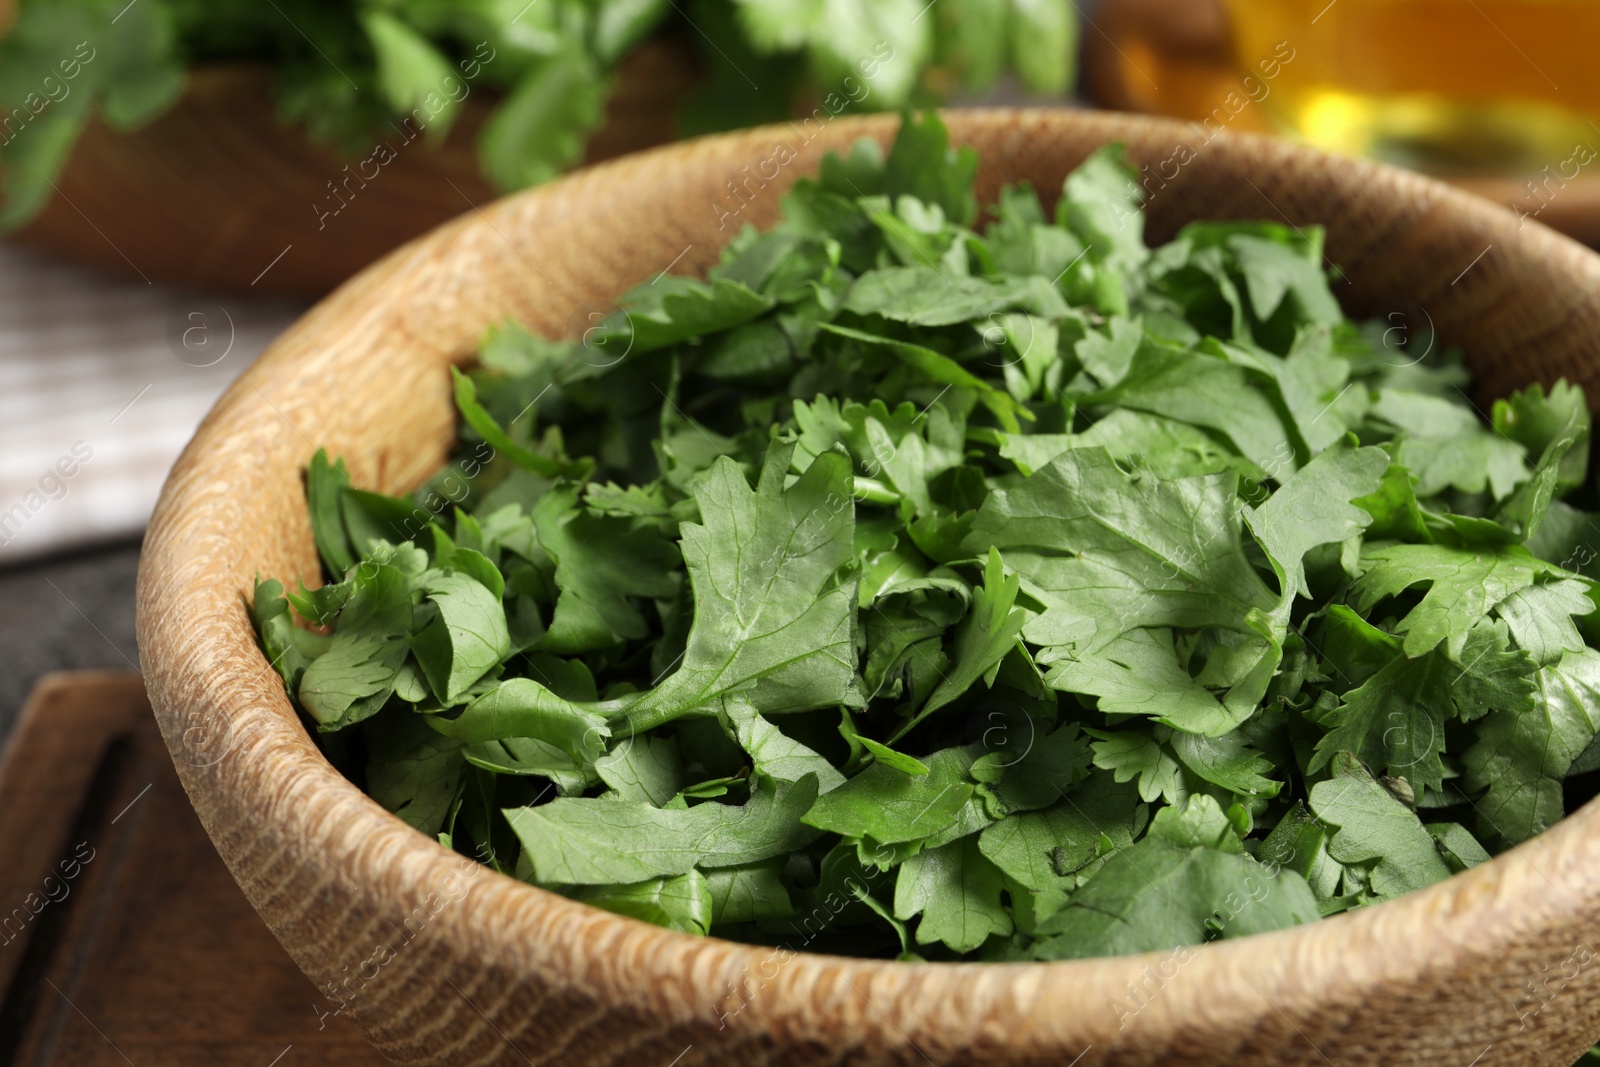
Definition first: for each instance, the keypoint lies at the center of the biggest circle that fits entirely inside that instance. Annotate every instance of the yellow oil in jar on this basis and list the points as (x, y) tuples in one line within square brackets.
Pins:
[(1454, 87)]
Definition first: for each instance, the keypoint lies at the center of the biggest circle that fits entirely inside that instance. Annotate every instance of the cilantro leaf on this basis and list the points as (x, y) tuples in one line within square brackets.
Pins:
[(1027, 773), (1100, 204), (540, 127), (554, 737), (1199, 820), (1540, 617), (683, 902), (956, 891), (672, 309), (1520, 757), (921, 164), (887, 805), (1396, 719), (748, 894), (413, 771), (352, 679), (1227, 761), (325, 487), (1446, 446), (467, 633), (925, 296), (289, 648), (772, 753), (644, 770), (62, 62), (1558, 431), (1198, 387), (1554, 427), (988, 633), (1373, 828), (941, 369), (410, 69), (1135, 753), (890, 758), (1043, 850), (1315, 507), (581, 841), (1463, 585), (604, 565), (1300, 843), (1139, 674), (1156, 895), (1102, 552), (771, 608)]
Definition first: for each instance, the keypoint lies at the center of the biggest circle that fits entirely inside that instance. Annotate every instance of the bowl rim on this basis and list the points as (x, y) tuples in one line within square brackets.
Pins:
[(198, 661)]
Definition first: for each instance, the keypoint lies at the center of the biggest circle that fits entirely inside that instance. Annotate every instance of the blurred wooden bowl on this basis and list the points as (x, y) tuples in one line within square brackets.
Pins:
[(442, 962), (219, 193)]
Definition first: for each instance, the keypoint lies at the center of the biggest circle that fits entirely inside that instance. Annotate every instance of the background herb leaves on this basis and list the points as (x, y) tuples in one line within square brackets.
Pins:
[(347, 70)]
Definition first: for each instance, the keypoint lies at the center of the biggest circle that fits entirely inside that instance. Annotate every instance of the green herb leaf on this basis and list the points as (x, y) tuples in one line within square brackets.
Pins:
[(771, 752), (956, 891), (466, 636), (771, 610), (1103, 553), (1044, 850), (1373, 828), (1463, 585), (540, 127), (1155, 895), (684, 902), (1521, 756), (579, 841), (883, 803), (988, 633)]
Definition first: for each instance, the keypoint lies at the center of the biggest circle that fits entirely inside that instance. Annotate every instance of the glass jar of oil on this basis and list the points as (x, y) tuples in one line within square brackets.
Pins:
[(1454, 87)]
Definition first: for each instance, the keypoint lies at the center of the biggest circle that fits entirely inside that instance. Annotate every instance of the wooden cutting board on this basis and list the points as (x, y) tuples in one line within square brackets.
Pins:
[(123, 939)]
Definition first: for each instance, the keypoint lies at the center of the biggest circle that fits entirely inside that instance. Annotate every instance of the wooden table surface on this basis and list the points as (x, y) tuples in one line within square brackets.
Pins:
[(123, 939)]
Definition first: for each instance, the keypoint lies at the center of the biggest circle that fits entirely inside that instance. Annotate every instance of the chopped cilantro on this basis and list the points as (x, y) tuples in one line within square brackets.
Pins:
[(926, 592)]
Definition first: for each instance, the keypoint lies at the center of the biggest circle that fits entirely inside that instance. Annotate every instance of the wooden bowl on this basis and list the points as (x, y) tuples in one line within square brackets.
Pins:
[(219, 193), (441, 962)]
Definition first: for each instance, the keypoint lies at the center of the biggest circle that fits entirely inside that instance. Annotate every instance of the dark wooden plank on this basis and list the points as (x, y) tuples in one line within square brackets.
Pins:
[(128, 941)]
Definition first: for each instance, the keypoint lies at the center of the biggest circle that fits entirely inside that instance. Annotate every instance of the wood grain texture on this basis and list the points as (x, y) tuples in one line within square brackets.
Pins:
[(512, 973), (44, 776), (219, 193), (123, 939)]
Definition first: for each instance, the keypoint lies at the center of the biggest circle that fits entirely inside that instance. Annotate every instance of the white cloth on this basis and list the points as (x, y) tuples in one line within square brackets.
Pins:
[(118, 371)]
